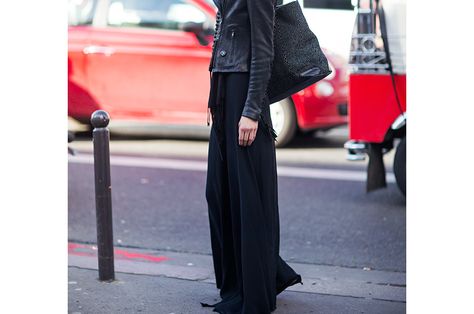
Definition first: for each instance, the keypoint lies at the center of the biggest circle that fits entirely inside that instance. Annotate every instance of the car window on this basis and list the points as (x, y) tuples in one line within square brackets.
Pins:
[(81, 12), (164, 14)]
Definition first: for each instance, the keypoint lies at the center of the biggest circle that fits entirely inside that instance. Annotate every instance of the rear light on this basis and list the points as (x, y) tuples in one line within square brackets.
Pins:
[(324, 89)]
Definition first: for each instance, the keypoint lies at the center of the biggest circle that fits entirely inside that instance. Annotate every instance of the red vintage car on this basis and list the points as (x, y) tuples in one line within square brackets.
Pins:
[(377, 97), (146, 63)]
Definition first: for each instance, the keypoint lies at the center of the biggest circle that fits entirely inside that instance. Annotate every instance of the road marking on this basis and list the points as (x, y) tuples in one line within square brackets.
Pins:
[(193, 165)]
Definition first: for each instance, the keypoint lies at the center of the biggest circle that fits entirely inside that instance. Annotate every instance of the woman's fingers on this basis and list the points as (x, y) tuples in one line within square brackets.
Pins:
[(252, 136), (243, 136), (247, 131), (246, 137)]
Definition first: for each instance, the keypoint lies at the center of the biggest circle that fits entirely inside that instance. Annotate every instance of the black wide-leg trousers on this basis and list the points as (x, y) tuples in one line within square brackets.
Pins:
[(242, 197)]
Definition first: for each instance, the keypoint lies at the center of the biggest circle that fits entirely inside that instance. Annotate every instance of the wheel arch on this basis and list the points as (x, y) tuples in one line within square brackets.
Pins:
[(397, 129)]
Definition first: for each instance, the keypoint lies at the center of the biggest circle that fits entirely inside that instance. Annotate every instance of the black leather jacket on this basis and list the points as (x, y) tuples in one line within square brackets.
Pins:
[(243, 42)]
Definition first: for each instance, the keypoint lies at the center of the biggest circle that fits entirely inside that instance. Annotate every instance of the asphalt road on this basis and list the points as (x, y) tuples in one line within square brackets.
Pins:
[(326, 217)]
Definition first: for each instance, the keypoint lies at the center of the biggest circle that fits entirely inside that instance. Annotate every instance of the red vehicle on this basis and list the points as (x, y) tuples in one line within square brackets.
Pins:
[(146, 63), (377, 90)]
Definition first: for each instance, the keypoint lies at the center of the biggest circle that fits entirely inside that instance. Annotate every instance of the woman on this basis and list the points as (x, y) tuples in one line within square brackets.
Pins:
[(241, 187)]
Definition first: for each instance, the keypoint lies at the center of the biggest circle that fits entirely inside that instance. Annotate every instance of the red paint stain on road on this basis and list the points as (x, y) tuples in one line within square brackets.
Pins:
[(80, 249), (91, 250), (130, 255)]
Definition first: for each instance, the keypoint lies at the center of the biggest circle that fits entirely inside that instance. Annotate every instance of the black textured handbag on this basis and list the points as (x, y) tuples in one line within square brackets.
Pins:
[(298, 60)]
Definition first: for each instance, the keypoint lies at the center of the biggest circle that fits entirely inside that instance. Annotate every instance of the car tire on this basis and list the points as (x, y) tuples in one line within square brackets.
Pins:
[(283, 117), (399, 165)]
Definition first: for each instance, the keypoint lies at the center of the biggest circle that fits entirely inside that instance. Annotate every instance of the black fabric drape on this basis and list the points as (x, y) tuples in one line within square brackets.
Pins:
[(242, 197)]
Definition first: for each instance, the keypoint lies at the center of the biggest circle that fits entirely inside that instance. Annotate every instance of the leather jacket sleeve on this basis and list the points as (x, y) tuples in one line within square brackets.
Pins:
[(262, 20)]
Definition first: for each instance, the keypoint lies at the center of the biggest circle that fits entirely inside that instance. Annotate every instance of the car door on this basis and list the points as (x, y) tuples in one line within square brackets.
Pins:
[(141, 66)]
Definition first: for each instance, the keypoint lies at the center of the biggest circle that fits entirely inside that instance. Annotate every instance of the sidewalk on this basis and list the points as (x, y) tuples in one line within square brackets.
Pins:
[(150, 281)]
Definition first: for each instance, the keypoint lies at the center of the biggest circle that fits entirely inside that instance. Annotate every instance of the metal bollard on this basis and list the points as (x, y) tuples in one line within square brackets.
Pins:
[(103, 195)]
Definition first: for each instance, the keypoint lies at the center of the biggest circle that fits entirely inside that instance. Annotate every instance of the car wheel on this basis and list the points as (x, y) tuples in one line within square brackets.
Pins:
[(283, 120), (399, 165)]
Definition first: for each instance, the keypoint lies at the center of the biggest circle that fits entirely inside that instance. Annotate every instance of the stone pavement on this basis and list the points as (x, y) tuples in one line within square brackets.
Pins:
[(151, 281)]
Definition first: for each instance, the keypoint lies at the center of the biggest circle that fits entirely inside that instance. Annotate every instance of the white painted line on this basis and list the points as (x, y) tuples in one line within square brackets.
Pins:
[(179, 164)]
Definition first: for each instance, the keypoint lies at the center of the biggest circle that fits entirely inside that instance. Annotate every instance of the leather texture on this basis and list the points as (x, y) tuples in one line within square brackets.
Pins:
[(243, 42)]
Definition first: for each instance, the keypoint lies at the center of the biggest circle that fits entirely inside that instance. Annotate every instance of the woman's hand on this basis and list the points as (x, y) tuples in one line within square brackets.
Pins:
[(247, 131)]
